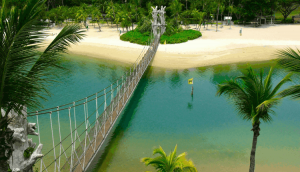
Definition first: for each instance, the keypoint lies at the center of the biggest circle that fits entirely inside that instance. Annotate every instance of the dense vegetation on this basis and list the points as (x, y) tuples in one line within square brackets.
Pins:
[(135, 36), (124, 13)]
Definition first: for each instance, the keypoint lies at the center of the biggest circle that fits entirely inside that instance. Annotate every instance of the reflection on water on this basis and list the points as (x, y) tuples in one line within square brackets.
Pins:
[(162, 112)]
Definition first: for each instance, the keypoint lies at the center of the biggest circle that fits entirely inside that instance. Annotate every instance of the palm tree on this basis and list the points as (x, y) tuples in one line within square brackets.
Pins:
[(254, 97), (230, 9), (22, 67), (170, 163), (222, 8), (218, 4), (290, 59), (96, 14), (176, 7), (24, 72)]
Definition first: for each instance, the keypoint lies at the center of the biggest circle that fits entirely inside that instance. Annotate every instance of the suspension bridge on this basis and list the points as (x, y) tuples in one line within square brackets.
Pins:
[(76, 151)]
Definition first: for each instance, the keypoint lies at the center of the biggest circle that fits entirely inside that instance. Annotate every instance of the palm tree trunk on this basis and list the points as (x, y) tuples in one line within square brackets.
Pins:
[(217, 20), (221, 20), (186, 4), (255, 130)]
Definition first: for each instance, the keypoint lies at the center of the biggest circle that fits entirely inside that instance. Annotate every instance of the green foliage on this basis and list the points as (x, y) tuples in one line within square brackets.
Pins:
[(253, 94), (135, 36), (180, 37), (144, 25), (169, 163), (28, 152), (24, 72), (290, 60), (172, 27), (287, 21)]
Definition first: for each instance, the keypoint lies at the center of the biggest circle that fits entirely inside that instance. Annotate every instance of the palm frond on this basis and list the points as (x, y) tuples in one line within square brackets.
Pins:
[(264, 108), (293, 91), (268, 82), (289, 59), (160, 151), (254, 96), (170, 163), (236, 93), (24, 72), (286, 79)]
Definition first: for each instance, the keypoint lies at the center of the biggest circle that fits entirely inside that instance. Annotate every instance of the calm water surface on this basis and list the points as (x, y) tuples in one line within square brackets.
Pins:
[(162, 112)]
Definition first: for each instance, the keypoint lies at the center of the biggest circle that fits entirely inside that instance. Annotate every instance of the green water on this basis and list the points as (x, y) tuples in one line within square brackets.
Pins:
[(162, 112)]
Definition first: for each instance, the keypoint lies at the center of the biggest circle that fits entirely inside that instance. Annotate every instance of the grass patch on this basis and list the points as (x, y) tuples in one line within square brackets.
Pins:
[(279, 16), (142, 38)]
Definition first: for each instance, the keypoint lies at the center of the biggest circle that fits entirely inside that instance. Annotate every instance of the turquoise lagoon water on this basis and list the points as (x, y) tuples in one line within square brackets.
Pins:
[(162, 112)]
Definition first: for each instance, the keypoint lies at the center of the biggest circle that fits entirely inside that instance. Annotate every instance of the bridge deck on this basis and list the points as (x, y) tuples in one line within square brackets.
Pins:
[(107, 119)]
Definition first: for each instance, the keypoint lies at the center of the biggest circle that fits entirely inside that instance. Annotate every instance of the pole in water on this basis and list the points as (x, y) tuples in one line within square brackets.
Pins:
[(192, 91), (190, 81)]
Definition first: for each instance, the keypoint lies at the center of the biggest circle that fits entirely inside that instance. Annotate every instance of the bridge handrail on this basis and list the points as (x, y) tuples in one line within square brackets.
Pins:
[(122, 87)]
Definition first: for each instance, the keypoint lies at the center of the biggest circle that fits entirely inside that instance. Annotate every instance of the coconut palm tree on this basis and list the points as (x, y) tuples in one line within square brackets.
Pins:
[(176, 7), (24, 71), (218, 4), (170, 163), (222, 8), (290, 59), (22, 68), (254, 97), (96, 14), (231, 9)]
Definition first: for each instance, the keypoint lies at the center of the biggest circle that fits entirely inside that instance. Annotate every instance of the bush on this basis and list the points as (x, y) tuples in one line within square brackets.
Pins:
[(237, 21), (135, 36), (183, 36), (287, 21)]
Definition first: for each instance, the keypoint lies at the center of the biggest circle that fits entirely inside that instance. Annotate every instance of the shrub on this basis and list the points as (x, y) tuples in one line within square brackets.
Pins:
[(287, 21), (136, 37), (183, 36)]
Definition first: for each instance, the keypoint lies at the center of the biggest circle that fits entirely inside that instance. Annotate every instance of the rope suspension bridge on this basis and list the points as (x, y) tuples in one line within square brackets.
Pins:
[(87, 131)]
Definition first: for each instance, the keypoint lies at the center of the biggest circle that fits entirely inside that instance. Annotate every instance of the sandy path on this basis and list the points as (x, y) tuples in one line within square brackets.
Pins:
[(222, 47)]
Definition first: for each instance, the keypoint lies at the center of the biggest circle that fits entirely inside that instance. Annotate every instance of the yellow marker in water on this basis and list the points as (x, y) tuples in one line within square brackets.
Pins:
[(165, 42), (190, 81)]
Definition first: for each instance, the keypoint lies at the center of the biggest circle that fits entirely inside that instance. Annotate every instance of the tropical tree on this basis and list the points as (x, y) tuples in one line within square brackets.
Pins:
[(82, 13), (286, 7), (230, 10), (110, 12), (253, 97), (170, 163), (290, 59), (199, 17), (176, 7), (24, 71), (222, 8), (96, 14), (125, 19), (218, 4)]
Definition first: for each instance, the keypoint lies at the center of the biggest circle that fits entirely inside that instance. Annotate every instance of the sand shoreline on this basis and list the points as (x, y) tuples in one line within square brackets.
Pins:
[(213, 48)]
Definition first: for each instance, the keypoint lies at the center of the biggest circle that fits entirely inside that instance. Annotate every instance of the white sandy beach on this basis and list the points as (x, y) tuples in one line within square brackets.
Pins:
[(213, 48)]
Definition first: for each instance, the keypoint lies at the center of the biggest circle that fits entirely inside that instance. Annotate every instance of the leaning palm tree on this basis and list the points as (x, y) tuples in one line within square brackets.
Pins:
[(170, 163), (254, 97), (24, 71), (290, 59)]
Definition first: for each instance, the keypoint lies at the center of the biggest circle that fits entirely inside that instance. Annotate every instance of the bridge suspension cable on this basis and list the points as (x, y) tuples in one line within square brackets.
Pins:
[(75, 149)]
